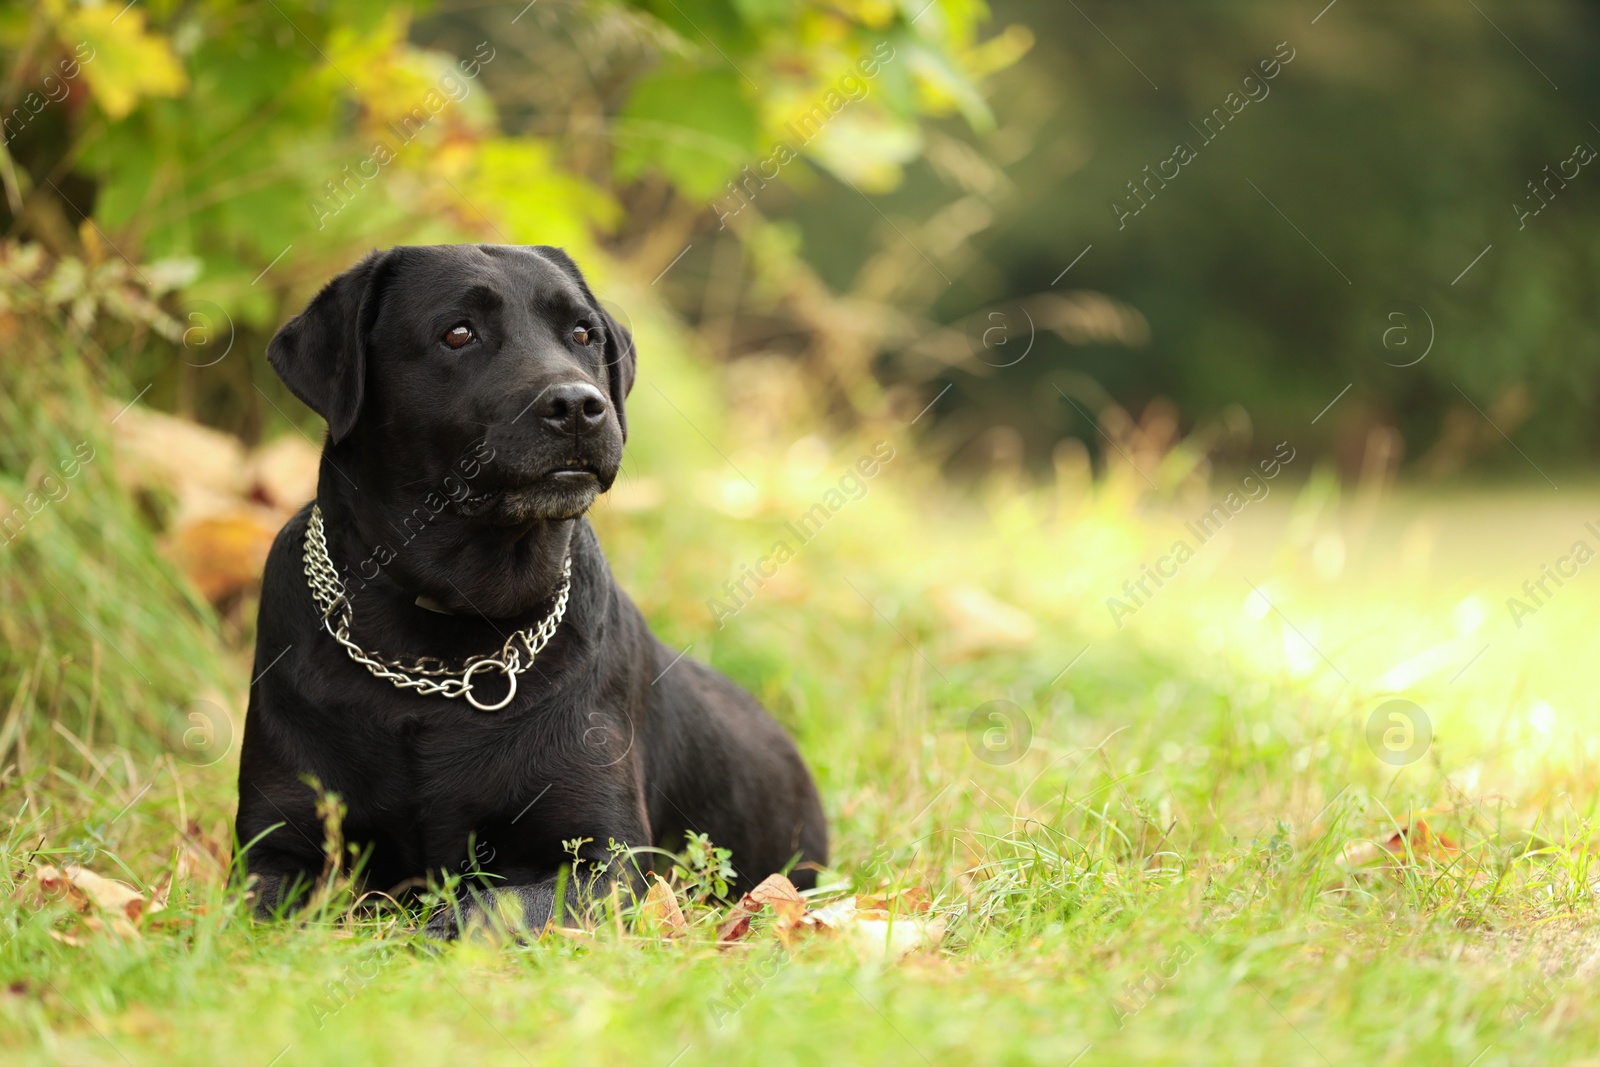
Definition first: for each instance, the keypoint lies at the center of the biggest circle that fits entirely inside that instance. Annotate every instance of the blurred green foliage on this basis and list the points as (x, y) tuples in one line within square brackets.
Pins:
[(272, 144), (1385, 157), (939, 200)]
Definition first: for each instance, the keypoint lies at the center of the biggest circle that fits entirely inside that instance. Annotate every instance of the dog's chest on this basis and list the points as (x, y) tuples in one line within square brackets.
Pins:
[(432, 784)]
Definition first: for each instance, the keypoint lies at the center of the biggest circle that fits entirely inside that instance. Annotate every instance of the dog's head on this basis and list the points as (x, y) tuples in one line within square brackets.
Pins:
[(420, 356)]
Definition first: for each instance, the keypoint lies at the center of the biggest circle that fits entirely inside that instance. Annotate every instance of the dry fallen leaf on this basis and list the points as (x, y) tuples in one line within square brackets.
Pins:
[(734, 927), (775, 887), (660, 913), (229, 508), (160, 896), (52, 881), (834, 916), (1426, 844), (89, 892), (206, 855), (914, 899), (779, 894), (894, 939), (105, 893), (882, 927)]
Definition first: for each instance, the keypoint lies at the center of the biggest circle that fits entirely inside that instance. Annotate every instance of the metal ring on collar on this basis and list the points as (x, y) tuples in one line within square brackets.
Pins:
[(466, 684)]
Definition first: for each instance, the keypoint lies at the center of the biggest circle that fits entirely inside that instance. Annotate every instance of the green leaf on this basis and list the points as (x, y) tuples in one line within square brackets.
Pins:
[(703, 22), (695, 127), (518, 184), (757, 12)]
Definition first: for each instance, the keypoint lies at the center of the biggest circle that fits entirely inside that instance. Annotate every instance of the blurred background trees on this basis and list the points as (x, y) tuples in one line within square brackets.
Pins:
[(851, 243), (1393, 149), (253, 150)]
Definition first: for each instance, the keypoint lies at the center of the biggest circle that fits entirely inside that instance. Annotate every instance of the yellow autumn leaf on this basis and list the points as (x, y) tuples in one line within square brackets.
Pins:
[(124, 62)]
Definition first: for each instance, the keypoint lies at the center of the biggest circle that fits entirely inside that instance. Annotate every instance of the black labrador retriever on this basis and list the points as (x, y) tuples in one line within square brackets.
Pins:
[(440, 641)]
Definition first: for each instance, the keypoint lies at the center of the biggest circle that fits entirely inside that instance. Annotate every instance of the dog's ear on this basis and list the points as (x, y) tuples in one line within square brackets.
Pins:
[(321, 353), (622, 362), (622, 359)]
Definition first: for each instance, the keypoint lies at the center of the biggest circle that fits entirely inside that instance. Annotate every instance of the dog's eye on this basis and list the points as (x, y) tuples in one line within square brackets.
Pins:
[(459, 336), (587, 335)]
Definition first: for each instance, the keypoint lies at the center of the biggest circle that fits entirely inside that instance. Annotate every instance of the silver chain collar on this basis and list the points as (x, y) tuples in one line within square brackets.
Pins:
[(329, 592)]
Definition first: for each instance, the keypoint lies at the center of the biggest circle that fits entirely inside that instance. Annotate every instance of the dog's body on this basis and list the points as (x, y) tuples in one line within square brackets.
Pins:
[(452, 489)]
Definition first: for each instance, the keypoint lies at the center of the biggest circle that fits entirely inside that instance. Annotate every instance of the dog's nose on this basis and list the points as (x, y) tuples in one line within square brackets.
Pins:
[(573, 407)]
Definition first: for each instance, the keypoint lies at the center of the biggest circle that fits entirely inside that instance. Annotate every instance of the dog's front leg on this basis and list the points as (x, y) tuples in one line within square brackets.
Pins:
[(283, 863), (582, 890)]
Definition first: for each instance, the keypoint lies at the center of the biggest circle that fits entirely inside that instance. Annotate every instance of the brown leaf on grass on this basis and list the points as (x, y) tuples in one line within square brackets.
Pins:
[(735, 926), (737, 923), (191, 863), (790, 914), (886, 927), (1424, 842), (107, 894), (779, 894), (87, 893), (160, 896), (1418, 840), (161, 893), (775, 887), (660, 913), (121, 904), (914, 900), (53, 883)]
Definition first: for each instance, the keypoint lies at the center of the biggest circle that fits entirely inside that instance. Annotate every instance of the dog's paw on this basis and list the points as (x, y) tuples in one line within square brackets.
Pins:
[(443, 925), (470, 920)]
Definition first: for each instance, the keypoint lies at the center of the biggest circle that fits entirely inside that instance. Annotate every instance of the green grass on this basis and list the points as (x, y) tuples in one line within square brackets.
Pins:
[(1159, 877)]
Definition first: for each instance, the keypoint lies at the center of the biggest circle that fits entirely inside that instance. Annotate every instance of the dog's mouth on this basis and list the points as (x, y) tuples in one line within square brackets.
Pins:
[(563, 491), (573, 472)]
